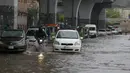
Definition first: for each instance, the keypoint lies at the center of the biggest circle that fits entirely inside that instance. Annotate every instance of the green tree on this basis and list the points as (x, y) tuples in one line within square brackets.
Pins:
[(111, 13), (33, 12), (32, 16), (61, 17)]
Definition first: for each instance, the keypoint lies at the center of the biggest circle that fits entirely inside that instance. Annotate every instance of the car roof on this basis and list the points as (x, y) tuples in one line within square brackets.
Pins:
[(68, 30), (14, 30), (33, 28), (90, 25)]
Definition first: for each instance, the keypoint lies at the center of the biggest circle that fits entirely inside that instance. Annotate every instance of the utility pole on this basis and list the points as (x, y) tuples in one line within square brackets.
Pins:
[(2, 23), (48, 10), (72, 12), (15, 14), (39, 21)]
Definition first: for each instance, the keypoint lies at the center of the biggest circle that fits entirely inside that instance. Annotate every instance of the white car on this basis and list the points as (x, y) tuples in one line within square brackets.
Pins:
[(108, 31), (92, 30), (114, 31), (102, 32), (13, 40), (119, 30), (30, 37), (67, 41)]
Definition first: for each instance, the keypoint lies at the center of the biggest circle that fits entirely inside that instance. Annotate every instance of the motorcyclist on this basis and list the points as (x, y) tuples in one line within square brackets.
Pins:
[(40, 34)]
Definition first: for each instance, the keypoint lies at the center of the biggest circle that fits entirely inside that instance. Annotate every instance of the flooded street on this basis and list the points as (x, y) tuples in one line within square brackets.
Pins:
[(107, 54)]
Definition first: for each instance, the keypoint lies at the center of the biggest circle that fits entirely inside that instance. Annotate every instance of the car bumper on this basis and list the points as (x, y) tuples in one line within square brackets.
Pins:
[(14, 48), (60, 48)]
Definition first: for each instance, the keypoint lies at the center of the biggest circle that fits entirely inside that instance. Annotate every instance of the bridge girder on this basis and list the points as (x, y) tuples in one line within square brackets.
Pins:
[(92, 8)]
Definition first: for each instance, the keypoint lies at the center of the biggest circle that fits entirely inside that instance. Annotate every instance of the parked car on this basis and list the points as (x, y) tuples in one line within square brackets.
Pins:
[(119, 30), (67, 41), (108, 31), (13, 40), (92, 30), (32, 33), (102, 32), (114, 31)]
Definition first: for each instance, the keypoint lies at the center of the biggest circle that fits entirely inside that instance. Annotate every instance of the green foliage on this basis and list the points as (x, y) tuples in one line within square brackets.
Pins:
[(111, 13), (109, 23), (52, 34), (32, 12), (60, 17), (81, 33)]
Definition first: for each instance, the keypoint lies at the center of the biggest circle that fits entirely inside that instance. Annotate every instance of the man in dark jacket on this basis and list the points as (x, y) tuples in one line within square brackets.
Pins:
[(40, 34)]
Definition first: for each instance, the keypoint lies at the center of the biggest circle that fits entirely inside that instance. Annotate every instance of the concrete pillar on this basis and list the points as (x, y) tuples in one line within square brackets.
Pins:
[(48, 11), (15, 14), (96, 12), (85, 11), (71, 9), (101, 21)]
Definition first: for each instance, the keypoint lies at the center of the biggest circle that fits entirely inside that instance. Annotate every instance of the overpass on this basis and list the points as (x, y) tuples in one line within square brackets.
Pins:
[(76, 12), (121, 4)]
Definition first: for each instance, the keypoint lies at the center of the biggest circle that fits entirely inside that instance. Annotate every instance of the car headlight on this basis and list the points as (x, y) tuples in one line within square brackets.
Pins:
[(56, 42), (41, 40), (77, 43), (21, 42)]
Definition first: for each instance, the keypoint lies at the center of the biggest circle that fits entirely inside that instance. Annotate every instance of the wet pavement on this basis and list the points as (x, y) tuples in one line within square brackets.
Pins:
[(107, 54)]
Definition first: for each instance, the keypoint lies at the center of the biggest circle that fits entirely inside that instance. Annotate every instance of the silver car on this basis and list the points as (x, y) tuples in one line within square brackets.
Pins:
[(13, 40)]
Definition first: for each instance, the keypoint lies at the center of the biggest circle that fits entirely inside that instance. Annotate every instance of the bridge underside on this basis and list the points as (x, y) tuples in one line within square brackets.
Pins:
[(98, 14), (76, 12)]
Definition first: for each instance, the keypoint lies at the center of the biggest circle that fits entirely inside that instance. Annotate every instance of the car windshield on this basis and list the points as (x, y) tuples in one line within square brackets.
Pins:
[(12, 33), (68, 34), (113, 29), (31, 32), (108, 30), (91, 28)]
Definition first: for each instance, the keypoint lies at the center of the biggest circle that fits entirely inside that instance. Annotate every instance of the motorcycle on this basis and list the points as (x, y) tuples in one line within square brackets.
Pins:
[(40, 40)]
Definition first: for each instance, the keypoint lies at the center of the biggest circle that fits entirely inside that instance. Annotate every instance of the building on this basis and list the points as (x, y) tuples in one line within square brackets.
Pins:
[(7, 14), (124, 12), (124, 20), (13, 13), (23, 6)]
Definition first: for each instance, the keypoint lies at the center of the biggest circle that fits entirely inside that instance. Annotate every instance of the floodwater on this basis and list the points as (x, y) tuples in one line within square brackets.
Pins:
[(107, 54)]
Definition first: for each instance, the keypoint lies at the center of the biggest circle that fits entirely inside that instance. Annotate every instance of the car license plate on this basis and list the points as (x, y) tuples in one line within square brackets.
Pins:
[(66, 47), (11, 47)]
